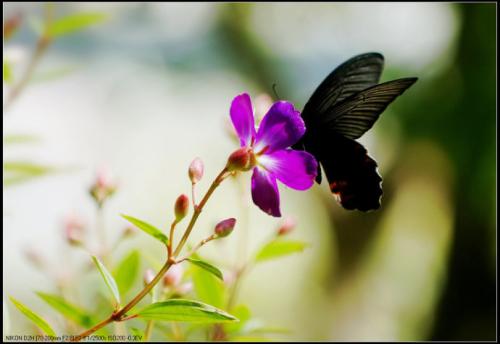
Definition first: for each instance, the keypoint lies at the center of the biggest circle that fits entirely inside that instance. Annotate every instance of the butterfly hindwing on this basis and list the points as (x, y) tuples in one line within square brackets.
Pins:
[(351, 173)]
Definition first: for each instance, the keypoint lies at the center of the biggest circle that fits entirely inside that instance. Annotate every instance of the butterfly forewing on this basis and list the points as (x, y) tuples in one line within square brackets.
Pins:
[(356, 114), (353, 76)]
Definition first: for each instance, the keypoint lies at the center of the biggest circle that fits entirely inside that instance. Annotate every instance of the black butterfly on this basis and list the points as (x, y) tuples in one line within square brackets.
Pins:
[(343, 107)]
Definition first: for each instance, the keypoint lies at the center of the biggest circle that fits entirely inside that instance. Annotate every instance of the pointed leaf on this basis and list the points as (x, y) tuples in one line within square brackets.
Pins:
[(18, 171), (146, 227), (207, 267), (110, 281), (42, 324), (126, 272), (279, 248), (19, 138), (186, 311), (68, 310), (73, 23)]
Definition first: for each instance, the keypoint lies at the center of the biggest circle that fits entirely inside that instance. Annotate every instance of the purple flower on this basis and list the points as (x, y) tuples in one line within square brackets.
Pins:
[(271, 157)]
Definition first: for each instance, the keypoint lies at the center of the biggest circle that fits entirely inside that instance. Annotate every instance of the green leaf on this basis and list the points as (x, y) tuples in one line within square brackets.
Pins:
[(7, 72), (126, 272), (208, 288), (279, 248), (146, 227), (110, 281), (184, 310), (68, 310), (19, 138), (73, 23), (17, 172), (207, 267), (42, 324)]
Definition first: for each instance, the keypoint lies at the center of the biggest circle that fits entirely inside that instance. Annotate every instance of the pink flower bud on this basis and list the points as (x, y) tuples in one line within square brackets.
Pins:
[(181, 207), (103, 187), (173, 276), (196, 170), (74, 229), (225, 227), (241, 159), (149, 275), (287, 226)]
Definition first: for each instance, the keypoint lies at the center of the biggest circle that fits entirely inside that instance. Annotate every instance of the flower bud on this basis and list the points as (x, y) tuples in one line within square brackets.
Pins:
[(103, 187), (74, 229), (287, 226), (173, 276), (225, 227), (181, 207), (149, 275), (241, 159), (196, 170)]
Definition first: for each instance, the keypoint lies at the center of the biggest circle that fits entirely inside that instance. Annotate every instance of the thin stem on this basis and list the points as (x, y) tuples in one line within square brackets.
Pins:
[(93, 329), (200, 244), (198, 210), (236, 286), (171, 238), (42, 44), (119, 315), (193, 194), (101, 234), (148, 330)]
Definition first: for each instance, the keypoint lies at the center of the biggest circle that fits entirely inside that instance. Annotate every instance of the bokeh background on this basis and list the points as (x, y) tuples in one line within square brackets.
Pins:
[(144, 92)]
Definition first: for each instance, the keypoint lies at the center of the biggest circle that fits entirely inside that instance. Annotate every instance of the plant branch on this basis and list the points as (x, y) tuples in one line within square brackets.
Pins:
[(119, 315)]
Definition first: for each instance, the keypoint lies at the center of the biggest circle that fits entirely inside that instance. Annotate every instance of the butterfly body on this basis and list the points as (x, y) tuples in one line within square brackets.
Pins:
[(343, 107)]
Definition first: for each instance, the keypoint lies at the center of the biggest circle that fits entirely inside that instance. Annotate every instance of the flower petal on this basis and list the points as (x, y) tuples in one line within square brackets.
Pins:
[(281, 127), (242, 117), (265, 192), (296, 169)]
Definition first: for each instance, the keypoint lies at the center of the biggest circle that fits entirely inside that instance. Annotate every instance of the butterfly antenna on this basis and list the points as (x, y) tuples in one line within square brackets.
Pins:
[(274, 90)]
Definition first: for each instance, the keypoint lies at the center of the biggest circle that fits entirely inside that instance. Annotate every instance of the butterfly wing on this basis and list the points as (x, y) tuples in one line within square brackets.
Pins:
[(356, 114), (340, 111), (351, 173), (354, 75)]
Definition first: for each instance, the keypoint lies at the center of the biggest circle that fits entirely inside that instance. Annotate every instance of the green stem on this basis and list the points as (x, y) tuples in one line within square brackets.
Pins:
[(198, 210), (148, 330), (120, 314), (41, 46)]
